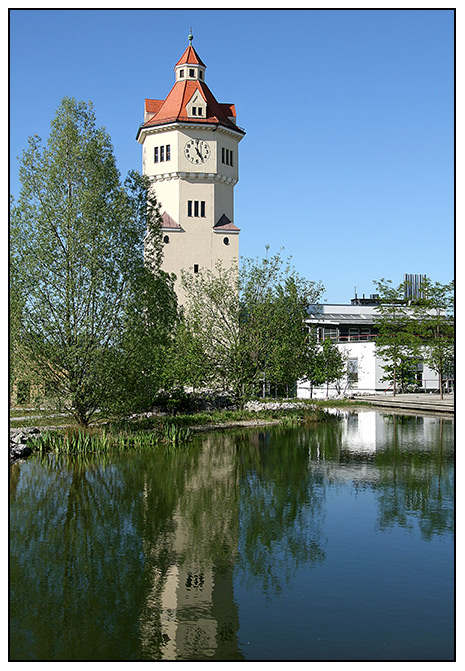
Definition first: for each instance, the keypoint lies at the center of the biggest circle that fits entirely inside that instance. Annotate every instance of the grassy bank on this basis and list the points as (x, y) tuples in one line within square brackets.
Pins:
[(121, 434)]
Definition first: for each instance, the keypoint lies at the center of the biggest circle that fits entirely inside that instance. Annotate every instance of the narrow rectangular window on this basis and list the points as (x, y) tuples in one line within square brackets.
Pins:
[(352, 370), (231, 158), (199, 111), (181, 73), (162, 153), (168, 152), (189, 208), (196, 268), (194, 111), (222, 155), (191, 73), (155, 156), (202, 208), (196, 208)]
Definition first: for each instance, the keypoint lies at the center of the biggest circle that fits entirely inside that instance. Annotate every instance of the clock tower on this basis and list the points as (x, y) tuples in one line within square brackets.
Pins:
[(190, 151)]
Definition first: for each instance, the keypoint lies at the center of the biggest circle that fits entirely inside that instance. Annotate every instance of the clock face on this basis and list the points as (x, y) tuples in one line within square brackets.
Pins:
[(197, 151)]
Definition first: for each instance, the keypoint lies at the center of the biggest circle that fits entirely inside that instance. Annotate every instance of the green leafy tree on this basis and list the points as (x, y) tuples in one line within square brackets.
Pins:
[(334, 363), (249, 325), (434, 315), (88, 297), (214, 356), (314, 366), (397, 343)]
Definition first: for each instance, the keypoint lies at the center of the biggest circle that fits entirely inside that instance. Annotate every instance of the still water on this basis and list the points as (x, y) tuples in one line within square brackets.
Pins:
[(324, 542)]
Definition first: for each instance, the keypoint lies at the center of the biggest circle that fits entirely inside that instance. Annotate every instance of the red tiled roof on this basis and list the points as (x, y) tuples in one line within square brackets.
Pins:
[(225, 224), (173, 108), (152, 106), (190, 56), (169, 222)]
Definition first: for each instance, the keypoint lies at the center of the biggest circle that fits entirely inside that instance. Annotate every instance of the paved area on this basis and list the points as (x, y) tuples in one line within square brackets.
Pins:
[(423, 402)]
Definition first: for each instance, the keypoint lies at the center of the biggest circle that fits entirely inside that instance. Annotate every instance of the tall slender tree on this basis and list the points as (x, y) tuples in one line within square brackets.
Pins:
[(78, 257)]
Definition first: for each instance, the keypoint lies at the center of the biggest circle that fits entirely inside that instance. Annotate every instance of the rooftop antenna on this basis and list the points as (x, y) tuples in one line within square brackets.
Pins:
[(190, 37)]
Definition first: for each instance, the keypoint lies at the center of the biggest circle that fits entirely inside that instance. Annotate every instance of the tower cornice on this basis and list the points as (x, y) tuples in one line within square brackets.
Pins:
[(162, 127), (194, 176)]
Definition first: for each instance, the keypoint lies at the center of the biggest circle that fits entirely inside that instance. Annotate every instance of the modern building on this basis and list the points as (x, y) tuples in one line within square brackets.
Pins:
[(190, 150), (353, 328)]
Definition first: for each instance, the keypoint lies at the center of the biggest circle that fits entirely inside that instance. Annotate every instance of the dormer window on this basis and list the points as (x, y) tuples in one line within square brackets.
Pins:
[(196, 106)]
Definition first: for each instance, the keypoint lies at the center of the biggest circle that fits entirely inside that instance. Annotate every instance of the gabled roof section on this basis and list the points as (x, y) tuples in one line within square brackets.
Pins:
[(190, 56), (225, 224), (173, 108), (169, 222)]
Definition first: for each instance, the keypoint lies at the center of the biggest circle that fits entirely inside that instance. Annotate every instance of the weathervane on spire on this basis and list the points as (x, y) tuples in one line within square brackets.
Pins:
[(191, 37)]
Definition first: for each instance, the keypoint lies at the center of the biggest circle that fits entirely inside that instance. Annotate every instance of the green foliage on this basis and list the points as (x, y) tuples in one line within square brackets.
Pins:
[(434, 316), (326, 363), (410, 331), (244, 329), (397, 343), (87, 308)]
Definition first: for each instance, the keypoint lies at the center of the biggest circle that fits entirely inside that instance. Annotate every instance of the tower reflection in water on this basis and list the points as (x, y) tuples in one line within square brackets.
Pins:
[(190, 611)]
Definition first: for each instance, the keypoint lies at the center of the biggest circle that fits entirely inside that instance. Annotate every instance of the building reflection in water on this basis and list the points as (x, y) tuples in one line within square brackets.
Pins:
[(190, 611)]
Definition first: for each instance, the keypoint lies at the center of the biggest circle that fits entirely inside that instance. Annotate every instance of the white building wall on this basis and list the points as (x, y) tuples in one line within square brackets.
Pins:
[(370, 372)]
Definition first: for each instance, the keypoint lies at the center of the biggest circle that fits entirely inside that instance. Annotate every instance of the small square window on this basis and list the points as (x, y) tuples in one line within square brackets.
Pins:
[(200, 74), (191, 73), (181, 73)]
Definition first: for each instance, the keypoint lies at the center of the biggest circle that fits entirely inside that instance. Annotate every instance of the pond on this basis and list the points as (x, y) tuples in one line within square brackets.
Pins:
[(320, 542)]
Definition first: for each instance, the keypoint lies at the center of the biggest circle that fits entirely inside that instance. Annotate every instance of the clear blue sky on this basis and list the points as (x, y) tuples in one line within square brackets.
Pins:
[(348, 158)]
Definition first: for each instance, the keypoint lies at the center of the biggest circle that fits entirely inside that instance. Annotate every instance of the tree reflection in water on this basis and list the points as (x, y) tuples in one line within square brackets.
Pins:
[(281, 508), (416, 486)]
